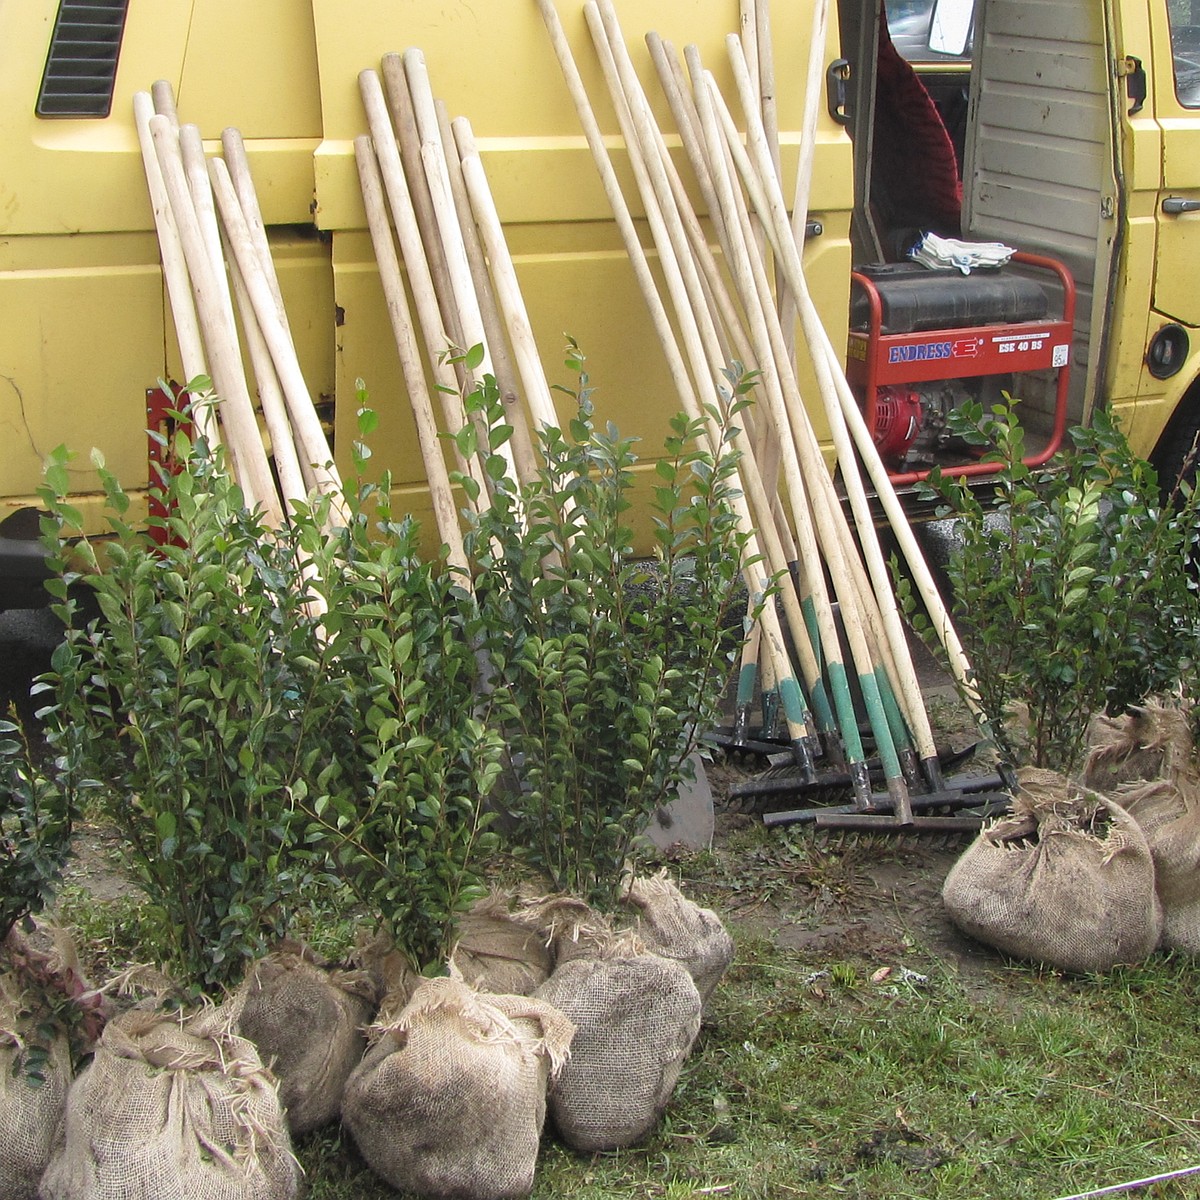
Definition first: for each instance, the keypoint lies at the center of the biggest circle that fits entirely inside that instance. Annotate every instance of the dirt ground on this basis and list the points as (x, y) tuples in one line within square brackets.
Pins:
[(832, 894), (875, 897)]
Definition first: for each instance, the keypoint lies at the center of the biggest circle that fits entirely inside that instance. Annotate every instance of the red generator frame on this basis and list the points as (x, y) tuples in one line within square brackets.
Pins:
[(876, 359)]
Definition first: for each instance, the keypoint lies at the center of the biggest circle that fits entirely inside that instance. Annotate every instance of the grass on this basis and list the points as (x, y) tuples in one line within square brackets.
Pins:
[(871, 1071)]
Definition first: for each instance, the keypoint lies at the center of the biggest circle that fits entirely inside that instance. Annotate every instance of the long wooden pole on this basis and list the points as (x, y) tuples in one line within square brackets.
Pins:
[(752, 570), (408, 142), (695, 320), (433, 156), (504, 278), (440, 492), (310, 437), (175, 273), (236, 410), (673, 202), (413, 252), (840, 421), (802, 460), (493, 322)]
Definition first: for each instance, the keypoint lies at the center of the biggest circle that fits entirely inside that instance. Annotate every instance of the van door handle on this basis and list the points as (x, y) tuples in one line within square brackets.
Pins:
[(1174, 205)]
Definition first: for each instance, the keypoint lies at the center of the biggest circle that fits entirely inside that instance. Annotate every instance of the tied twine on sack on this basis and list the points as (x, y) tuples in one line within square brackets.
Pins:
[(1150, 741), (451, 1097), (678, 928), (497, 952), (173, 1108), (568, 927), (1066, 880)]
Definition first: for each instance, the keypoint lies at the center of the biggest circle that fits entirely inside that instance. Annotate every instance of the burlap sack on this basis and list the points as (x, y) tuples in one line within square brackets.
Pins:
[(172, 1109), (30, 1113), (450, 1099), (675, 927), (636, 1015), (497, 952), (307, 1021), (1152, 741), (1066, 880), (1148, 757), (1168, 813)]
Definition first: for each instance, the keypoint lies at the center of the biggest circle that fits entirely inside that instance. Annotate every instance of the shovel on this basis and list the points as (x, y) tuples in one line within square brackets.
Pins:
[(688, 819)]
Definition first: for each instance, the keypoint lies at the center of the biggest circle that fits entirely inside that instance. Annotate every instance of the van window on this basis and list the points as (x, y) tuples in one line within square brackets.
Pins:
[(1184, 16), (909, 23)]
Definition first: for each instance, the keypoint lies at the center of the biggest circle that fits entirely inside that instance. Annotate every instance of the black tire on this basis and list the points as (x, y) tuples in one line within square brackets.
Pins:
[(1175, 456)]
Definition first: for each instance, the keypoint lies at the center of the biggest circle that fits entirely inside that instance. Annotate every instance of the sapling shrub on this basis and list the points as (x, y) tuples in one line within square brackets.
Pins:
[(1070, 583), (202, 693), (276, 719), (605, 670), (39, 804), (402, 814)]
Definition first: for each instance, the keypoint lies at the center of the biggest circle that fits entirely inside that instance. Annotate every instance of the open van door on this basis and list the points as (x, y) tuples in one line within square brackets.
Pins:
[(1041, 162)]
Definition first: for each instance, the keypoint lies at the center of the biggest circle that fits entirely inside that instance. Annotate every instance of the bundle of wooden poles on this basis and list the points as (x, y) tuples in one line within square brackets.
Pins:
[(219, 273), (429, 205), (740, 301), (744, 304)]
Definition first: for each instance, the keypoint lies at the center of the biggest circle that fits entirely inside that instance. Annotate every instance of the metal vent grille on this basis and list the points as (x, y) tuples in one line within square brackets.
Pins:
[(81, 67)]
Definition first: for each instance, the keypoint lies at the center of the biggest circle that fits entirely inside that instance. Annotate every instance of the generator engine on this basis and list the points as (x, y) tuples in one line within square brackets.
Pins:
[(911, 422)]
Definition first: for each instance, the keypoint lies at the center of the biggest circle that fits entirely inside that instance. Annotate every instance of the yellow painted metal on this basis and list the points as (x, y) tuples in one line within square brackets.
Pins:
[(1175, 292), (86, 327), (88, 330)]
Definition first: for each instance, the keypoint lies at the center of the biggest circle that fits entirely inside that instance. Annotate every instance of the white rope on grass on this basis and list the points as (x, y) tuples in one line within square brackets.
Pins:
[(1134, 1183)]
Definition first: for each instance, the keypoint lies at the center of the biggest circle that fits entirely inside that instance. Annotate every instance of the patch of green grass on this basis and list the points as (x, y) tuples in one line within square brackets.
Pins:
[(814, 1079)]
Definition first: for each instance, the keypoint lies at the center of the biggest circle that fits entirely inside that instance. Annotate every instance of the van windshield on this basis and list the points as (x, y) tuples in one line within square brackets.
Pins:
[(1184, 16)]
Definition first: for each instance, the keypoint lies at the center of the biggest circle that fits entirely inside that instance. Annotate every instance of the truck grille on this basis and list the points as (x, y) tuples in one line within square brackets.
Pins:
[(81, 67)]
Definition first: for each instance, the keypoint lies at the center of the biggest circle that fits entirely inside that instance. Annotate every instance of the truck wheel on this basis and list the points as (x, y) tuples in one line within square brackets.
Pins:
[(1176, 455)]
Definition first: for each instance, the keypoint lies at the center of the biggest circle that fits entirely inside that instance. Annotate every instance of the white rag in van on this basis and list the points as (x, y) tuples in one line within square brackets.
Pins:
[(934, 251)]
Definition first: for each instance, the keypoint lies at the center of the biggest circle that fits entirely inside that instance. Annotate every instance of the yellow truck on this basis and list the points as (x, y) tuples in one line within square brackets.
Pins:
[(1068, 132)]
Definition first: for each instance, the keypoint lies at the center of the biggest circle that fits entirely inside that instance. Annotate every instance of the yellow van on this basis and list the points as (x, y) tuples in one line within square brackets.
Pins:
[(1072, 127)]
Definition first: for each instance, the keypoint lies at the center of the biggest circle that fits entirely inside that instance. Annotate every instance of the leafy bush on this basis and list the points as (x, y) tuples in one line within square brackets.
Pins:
[(402, 811), (1071, 583), (199, 691), (38, 809), (604, 671), (256, 753)]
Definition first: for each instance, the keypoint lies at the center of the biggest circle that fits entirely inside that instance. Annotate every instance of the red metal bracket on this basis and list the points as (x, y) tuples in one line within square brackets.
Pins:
[(162, 421)]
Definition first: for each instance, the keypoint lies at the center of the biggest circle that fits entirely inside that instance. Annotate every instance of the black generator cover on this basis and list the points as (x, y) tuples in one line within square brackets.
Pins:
[(915, 298)]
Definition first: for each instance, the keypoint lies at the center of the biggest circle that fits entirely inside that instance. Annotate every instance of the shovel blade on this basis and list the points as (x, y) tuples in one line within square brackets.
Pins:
[(688, 820)]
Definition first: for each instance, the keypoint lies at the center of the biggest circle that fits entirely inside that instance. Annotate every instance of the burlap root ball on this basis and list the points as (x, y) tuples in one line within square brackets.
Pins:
[(307, 1021), (30, 1113), (1067, 880), (567, 926), (497, 952), (636, 1015), (1150, 741), (1149, 755), (172, 1108), (1168, 813), (450, 1099), (678, 928)]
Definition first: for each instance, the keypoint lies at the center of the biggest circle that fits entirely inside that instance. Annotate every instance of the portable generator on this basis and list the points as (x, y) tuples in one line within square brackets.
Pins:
[(922, 340)]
